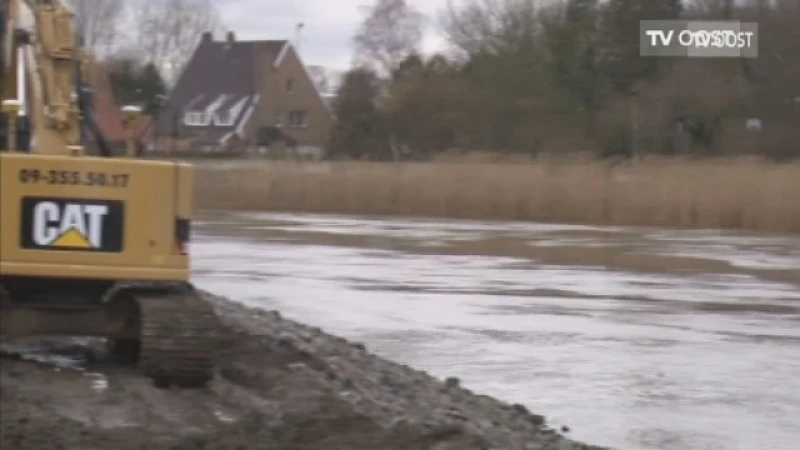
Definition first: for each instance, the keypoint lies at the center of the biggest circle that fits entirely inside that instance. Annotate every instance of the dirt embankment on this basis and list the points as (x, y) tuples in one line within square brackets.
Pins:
[(281, 385)]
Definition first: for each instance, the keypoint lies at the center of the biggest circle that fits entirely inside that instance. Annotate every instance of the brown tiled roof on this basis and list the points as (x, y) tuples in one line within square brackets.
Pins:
[(106, 111)]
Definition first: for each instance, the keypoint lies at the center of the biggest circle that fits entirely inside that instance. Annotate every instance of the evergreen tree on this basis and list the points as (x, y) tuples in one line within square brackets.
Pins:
[(571, 39), (136, 85), (360, 129), (151, 86), (621, 19)]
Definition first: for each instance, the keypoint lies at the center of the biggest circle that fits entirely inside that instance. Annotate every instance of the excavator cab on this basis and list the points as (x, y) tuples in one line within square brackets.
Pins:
[(90, 245)]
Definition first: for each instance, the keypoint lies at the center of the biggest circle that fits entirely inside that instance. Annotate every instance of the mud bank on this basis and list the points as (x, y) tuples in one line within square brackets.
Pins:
[(281, 385)]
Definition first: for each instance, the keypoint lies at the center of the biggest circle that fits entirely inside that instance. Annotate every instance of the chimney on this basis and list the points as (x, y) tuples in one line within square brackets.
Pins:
[(207, 36), (231, 37)]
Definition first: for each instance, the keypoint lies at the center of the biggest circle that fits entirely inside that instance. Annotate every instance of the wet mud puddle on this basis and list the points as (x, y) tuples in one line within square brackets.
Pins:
[(79, 380), (76, 355), (639, 339)]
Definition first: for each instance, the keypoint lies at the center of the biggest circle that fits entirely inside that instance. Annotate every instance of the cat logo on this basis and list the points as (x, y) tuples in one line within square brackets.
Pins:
[(72, 224)]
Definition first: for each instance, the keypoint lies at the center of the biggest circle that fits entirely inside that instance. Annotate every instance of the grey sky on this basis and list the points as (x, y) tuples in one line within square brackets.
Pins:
[(329, 25)]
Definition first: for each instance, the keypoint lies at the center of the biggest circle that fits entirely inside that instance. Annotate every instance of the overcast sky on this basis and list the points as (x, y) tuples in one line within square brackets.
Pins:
[(329, 25)]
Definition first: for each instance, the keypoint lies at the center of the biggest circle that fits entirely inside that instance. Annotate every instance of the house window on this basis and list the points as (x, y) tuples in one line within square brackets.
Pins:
[(298, 119), (224, 119), (279, 117), (196, 119), (290, 85)]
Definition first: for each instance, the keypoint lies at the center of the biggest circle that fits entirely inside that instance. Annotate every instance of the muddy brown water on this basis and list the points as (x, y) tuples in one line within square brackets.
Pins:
[(639, 339)]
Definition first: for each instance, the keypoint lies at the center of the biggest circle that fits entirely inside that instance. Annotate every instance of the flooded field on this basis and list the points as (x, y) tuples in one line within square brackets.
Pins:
[(636, 338)]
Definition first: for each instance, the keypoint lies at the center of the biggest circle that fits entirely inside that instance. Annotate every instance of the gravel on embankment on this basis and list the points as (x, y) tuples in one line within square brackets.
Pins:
[(395, 396), (280, 385)]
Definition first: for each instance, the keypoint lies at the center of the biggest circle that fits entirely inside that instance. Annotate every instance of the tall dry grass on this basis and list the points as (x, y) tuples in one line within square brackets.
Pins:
[(749, 195)]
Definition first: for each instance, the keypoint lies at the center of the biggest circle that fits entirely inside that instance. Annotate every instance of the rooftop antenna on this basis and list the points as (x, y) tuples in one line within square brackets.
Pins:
[(298, 30)]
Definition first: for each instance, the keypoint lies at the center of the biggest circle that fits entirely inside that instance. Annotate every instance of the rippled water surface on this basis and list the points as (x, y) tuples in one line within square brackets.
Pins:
[(635, 338)]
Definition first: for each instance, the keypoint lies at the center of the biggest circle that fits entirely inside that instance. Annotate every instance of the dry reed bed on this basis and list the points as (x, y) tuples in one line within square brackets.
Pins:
[(746, 195)]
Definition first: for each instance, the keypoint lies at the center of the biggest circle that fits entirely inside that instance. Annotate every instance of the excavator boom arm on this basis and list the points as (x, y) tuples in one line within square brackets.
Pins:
[(41, 67)]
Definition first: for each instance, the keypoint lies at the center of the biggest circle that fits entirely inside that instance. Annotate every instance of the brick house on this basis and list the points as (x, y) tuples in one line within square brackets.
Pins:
[(242, 96), (106, 111)]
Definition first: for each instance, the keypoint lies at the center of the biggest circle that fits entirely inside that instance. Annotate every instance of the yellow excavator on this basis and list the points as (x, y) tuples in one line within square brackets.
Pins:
[(92, 243)]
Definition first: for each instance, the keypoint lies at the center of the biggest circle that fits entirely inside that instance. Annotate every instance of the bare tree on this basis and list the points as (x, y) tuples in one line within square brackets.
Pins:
[(97, 22), (168, 31), (391, 31), (491, 26)]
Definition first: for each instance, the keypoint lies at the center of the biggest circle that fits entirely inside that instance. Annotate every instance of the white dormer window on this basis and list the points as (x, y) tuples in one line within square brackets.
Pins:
[(196, 119), (224, 119)]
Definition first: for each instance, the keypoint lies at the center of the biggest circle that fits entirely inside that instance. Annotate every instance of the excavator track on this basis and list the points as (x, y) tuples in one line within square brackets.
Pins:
[(178, 339)]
